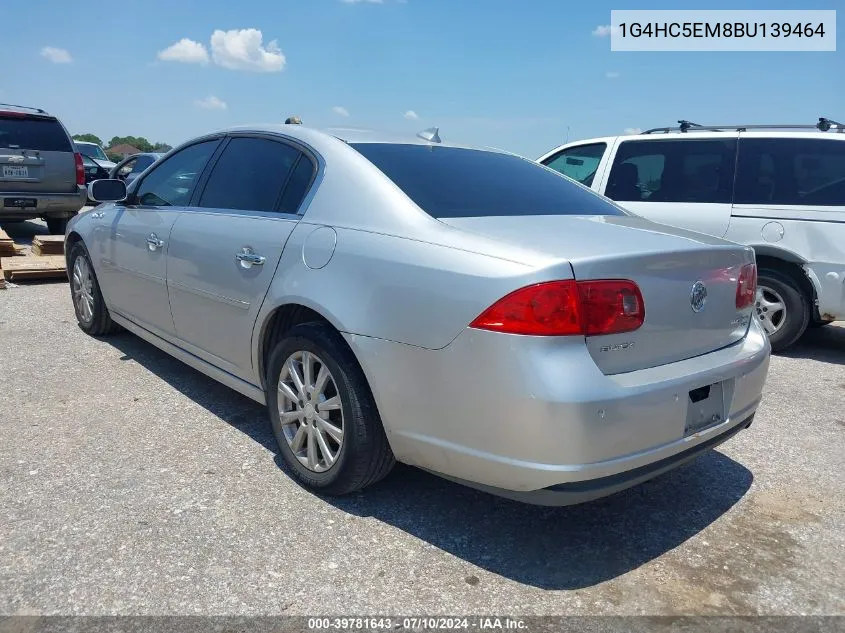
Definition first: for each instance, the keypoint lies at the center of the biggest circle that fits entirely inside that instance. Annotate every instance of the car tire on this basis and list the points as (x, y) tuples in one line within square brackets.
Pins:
[(791, 314), (57, 226), (341, 463), (88, 304)]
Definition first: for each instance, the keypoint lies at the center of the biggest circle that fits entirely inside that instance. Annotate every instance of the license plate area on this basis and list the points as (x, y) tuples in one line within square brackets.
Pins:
[(15, 171), (20, 203), (705, 408)]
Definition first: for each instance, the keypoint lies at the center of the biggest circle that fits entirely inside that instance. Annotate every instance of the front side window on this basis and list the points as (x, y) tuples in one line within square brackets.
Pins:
[(141, 163), (172, 183), (127, 168), (249, 175), (698, 170), (791, 171), (453, 182), (579, 163)]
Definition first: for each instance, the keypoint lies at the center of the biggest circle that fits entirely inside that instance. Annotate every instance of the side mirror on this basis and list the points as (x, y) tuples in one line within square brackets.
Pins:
[(110, 190)]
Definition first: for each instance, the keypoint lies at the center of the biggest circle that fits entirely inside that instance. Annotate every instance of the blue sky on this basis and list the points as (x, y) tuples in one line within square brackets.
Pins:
[(507, 73)]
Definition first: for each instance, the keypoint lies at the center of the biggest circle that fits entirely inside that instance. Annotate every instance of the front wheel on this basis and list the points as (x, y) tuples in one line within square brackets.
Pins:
[(323, 413), (781, 307)]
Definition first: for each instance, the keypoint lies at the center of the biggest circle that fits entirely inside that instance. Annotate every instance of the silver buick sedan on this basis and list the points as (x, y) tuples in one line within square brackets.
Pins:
[(466, 311)]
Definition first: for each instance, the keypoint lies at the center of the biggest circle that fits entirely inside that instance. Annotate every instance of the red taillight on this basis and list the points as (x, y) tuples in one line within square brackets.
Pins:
[(80, 169), (611, 306), (563, 308), (548, 309), (746, 288)]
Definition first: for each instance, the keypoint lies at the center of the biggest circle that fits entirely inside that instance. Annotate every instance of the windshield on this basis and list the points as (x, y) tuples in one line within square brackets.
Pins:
[(453, 182), (91, 149)]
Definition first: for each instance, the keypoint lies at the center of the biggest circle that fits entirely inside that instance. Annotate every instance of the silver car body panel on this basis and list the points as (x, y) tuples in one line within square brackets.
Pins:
[(516, 413)]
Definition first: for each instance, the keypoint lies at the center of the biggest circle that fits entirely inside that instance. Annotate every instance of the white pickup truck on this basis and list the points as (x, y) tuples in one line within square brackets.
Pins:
[(779, 189)]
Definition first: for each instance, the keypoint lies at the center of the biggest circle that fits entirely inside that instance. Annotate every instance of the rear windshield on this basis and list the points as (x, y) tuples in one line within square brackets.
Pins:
[(45, 135), (453, 182)]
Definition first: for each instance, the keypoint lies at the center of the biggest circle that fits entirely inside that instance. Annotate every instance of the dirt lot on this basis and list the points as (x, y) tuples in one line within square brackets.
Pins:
[(130, 483)]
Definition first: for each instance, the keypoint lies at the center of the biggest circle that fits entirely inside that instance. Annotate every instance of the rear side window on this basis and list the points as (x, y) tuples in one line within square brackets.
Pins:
[(297, 186), (795, 171), (45, 135), (172, 182), (249, 175), (452, 182), (699, 170), (579, 163)]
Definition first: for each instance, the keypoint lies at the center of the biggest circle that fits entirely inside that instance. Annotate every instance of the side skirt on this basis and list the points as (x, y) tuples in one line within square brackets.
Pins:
[(233, 382)]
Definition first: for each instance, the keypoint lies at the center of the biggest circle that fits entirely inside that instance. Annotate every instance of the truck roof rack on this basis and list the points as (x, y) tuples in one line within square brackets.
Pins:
[(12, 105), (823, 125)]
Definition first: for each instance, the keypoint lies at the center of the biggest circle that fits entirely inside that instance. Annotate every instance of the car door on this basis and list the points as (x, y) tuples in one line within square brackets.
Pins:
[(685, 182), (131, 241), (224, 252)]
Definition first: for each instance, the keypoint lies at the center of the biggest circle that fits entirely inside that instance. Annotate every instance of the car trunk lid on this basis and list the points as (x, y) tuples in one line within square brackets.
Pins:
[(669, 265)]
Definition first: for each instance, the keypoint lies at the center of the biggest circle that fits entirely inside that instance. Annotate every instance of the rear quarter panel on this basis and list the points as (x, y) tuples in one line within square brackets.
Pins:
[(393, 288)]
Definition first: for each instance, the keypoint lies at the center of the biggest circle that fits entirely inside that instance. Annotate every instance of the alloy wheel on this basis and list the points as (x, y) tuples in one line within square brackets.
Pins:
[(83, 288), (310, 411), (770, 309)]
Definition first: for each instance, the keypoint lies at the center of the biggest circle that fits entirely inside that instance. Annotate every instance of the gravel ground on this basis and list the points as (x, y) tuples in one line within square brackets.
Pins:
[(132, 484)]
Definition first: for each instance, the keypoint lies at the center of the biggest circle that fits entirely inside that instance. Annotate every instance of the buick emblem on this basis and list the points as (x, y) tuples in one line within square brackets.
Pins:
[(698, 296), (15, 159)]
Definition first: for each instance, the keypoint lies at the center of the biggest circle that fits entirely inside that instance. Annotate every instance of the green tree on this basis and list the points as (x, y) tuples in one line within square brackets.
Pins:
[(162, 148), (135, 141), (88, 138)]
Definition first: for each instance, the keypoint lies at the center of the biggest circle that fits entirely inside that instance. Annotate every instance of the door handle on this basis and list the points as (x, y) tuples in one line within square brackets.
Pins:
[(249, 258), (153, 242)]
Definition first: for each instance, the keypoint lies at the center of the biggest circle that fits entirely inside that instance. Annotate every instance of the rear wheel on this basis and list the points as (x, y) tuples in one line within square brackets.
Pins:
[(91, 311), (57, 226), (323, 413), (781, 307)]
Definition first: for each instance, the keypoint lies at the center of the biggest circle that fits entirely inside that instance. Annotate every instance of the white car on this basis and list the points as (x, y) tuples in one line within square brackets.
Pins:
[(779, 189)]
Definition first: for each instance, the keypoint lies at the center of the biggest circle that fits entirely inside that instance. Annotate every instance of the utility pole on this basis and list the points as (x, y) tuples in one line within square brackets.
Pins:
[(567, 134)]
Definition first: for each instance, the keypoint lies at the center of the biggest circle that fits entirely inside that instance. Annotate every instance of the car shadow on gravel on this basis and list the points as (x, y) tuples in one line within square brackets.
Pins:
[(550, 548), (825, 344), (556, 548)]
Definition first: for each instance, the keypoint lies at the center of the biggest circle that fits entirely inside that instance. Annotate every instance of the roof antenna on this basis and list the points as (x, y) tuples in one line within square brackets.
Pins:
[(293, 120), (431, 135)]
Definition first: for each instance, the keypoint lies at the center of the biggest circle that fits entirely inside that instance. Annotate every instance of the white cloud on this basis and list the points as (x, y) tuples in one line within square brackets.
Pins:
[(612, 74), (56, 55), (633, 130), (186, 51), (211, 103), (341, 111), (241, 49), (603, 30), (411, 115)]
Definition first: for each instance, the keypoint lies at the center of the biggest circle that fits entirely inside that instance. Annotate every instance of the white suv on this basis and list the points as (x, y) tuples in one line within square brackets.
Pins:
[(781, 192)]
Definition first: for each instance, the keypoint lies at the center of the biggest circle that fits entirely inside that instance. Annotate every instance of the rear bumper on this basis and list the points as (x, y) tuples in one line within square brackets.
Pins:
[(566, 494), (47, 204), (516, 414)]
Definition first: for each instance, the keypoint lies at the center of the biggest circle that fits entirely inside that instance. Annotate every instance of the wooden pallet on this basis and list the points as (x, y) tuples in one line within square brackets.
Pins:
[(8, 247), (31, 267), (48, 245)]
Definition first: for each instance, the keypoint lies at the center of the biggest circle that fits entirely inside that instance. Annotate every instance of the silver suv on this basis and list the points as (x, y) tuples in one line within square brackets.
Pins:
[(41, 174)]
